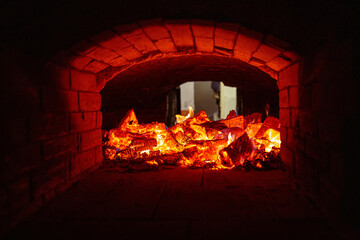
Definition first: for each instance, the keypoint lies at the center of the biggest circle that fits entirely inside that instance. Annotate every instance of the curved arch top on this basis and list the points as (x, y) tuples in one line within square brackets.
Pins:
[(113, 51)]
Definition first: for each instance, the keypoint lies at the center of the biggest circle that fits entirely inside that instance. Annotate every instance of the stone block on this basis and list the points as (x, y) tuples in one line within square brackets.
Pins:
[(204, 44), (99, 119), (284, 117), (165, 45), (118, 62), (99, 156), (83, 47), (49, 125), (129, 53), (256, 62), (82, 161), (284, 98), (202, 28), (110, 40), (180, 33), (82, 121), (278, 63), (289, 76), (142, 43), (128, 30), (225, 35), (95, 66), (266, 53), (294, 96), (89, 101), (91, 139), (246, 43), (83, 81), (59, 146), (154, 29), (102, 54)]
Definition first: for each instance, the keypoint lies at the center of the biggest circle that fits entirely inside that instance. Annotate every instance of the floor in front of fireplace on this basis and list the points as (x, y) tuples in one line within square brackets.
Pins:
[(179, 203)]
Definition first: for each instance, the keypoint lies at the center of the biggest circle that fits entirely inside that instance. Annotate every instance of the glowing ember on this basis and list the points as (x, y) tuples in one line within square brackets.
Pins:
[(195, 141)]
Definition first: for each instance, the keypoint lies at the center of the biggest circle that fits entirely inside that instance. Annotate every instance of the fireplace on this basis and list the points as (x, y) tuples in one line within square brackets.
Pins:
[(60, 103)]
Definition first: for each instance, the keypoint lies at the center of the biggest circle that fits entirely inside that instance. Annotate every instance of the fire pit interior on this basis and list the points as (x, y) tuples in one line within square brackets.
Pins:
[(100, 143)]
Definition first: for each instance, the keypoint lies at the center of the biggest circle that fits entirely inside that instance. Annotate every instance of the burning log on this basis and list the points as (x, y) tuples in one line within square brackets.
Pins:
[(236, 141)]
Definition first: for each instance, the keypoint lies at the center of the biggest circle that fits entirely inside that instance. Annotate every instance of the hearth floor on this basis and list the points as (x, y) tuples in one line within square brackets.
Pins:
[(179, 203)]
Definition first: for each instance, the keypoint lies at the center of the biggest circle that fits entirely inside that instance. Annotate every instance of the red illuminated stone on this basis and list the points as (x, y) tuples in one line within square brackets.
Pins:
[(180, 32), (266, 53), (165, 45), (202, 28), (154, 29), (225, 34)]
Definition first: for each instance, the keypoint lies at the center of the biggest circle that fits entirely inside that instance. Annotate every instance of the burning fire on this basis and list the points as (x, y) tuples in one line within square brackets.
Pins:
[(196, 142)]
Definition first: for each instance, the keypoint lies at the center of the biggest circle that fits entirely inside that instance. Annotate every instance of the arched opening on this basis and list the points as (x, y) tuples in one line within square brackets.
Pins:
[(145, 86)]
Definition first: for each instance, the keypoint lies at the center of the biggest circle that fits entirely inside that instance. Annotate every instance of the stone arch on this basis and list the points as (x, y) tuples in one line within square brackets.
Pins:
[(97, 59)]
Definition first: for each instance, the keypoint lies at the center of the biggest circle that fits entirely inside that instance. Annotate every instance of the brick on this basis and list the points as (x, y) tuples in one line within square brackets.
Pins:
[(266, 53), (99, 119), (202, 28), (118, 62), (225, 35), (204, 44), (293, 56), (56, 76), (284, 98), (84, 121), (49, 125), (57, 100), (256, 62), (269, 71), (289, 76), (246, 43), (294, 96), (84, 47), (154, 29), (82, 161), (102, 54), (283, 135), (130, 53), (66, 58), (294, 118), (95, 66), (276, 43), (278, 63), (91, 139), (83, 81), (59, 146), (89, 101), (128, 30), (99, 156), (142, 43), (284, 117), (110, 40), (180, 32), (165, 45)]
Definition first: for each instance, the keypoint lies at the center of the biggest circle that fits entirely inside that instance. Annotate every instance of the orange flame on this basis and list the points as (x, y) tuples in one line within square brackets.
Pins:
[(195, 141)]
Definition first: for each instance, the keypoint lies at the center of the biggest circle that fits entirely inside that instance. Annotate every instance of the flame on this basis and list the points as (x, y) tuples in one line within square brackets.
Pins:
[(181, 118), (195, 141)]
